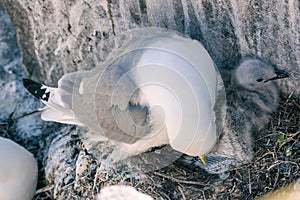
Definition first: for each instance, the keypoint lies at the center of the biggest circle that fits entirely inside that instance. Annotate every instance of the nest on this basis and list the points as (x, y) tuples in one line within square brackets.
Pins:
[(275, 164)]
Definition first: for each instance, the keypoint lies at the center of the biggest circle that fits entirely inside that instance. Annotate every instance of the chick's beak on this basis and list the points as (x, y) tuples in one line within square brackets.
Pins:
[(203, 159), (280, 74)]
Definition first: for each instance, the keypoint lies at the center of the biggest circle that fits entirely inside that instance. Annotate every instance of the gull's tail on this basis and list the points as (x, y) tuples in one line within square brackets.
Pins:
[(57, 101)]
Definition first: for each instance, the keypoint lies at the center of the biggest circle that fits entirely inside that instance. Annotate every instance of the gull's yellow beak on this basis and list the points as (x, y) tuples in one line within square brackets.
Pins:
[(203, 159)]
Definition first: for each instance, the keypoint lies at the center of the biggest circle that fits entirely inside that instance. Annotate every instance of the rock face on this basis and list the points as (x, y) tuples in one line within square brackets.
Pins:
[(57, 37), (10, 62)]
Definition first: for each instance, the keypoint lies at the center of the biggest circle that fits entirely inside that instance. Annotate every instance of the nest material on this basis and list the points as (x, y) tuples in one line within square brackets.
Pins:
[(275, 164)]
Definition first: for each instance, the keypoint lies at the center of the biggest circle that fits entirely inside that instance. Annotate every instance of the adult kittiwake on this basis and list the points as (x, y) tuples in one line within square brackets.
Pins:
[(161, 88)]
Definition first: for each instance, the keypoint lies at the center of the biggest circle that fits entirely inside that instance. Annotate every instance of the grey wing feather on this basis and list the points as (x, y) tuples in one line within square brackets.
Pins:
[(133, 121), (106, 101)]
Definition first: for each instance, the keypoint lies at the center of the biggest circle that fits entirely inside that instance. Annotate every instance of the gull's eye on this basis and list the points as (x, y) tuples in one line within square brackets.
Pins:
[(259, 80)]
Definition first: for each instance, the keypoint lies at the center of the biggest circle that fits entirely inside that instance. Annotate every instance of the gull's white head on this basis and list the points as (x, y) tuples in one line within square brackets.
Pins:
[(254, 73)]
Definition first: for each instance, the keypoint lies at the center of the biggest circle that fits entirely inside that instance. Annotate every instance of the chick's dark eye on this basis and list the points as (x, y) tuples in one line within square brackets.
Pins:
[(259, 80)]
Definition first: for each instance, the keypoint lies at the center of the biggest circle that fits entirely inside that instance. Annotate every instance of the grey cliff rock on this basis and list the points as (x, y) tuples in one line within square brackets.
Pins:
[(57, 37)]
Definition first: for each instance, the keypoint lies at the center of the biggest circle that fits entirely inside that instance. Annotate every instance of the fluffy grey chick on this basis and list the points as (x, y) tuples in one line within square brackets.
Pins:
[(252, 96)]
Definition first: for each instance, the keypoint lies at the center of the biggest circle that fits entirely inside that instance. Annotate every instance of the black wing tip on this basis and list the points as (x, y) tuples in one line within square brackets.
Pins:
[(36, 89), (28, 82)]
